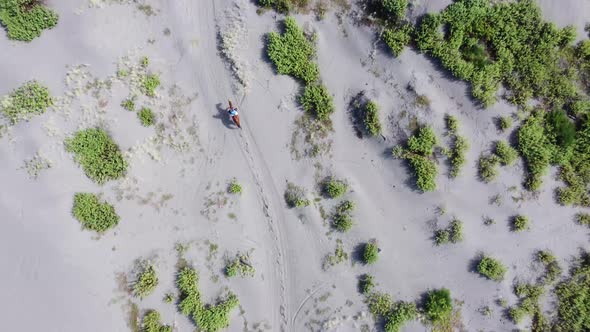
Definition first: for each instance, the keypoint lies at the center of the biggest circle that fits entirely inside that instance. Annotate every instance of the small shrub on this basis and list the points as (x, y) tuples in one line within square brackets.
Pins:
[(338, 257), (520, 223), (342, 222), (401, 313), (552, 268), (458, 159), (583, 219), (295, 196), (345, 207), (317, 101), (452, 124), (371, 118), (379, 304), (491, 268), (334, 188), (146, 282), (439, 305), (452, 234), (128, 104), (26, 101), (505, 123), (98, 155), (24, 20), (488, 167), (370, 253), (506, 153), (146, 117), (573, 311), (234, 187), (151, 323), (240, 266), (441, 237), (292, 53), (366, 284), (398, 37), (144, 62), (94, 214), (395, 8), (422, 101), (149, 84), (420, 148)]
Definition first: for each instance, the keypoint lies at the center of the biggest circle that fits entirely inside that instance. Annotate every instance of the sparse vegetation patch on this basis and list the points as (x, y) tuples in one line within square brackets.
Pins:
[(295, 196), (146, 117), (26, 101), (147, 280), (520, 223), (370, 252), (240, 266), (341, 218)]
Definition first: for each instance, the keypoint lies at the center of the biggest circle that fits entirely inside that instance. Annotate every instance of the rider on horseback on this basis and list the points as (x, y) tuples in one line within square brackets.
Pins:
[(233, 114)]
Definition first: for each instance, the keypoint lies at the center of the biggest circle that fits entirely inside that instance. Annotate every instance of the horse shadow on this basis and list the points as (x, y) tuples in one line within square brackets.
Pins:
[(222, 114)]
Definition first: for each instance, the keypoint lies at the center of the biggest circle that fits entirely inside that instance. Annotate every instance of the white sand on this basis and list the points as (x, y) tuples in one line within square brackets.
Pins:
[(58, 278)]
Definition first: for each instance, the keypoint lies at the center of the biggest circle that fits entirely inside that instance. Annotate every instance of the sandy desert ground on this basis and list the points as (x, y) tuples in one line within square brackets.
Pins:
[(58, 277)]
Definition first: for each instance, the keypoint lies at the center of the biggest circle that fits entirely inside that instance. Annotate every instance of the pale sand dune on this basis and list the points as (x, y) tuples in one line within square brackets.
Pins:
[(59, 278)]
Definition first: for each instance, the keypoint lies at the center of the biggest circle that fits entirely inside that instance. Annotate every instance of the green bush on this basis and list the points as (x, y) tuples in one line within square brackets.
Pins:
[(505, 123), (24, 20), (370, 253), (241, 266), (458, 159), (371, 118), (208, 318), (234, 187), (395, 8), (151, 323), (24, 102), (334, 188), (338, 257), (342, 222), (439, 305), (379, 304), (94, 214), (488, 167), (345, 207), (144, 62), (452, 234), (366, 284), (561, 128), (400, 313), (146, 282), (146, 117), (583, 219), (520, 223), (98, 155), (317, 101), (128, 104), (452, 124), (284, 6), (491, 268), (149, 84), (398, 37), (295, 196), (573, 299), (552, 268), (506, 153), (441, 237), (418, 153), (292, 53)]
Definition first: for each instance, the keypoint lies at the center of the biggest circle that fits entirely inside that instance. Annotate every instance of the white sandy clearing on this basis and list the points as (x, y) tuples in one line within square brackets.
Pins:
[(59, 278)]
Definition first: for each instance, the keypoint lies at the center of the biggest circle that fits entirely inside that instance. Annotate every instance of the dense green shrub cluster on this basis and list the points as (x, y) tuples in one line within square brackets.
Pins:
[(418, 153), (149, 84), (284, 6), (529, 305), (439, 305), (491, 268), (371, 118), (506, 153), (295, 196), (520, 223), (398, 37), (151, 323), (366, 284), (370, 252), (341, 218), (207, 317), (240, 266), (452, 234), (30, 99), (146, 117), (552, 268), (583, 219), (573, 299), (505, 43), (98, 155), (147, 280), (334, 188), (400, 313), (25, 19), (316, 101), (94, 214)]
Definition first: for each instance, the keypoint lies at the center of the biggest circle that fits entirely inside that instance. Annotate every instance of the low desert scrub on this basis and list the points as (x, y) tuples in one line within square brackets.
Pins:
[(94, 214), (26, 101), (151, 323), (452, 234), (334, 188), (284, 6), (366, 284), (520, 223), (419, 153), (234, 187), (128, 104), (98, 155), (491, 268), (459, 147), (146, 117), (505, 123), (488, 167), (371, 118), (573, 294), (240, 266), (398, 37), (147, 280), (295, 196), (341, 218), (149, 84), (506, 153), (395, 314), (144, 62), (36, 165), (207, 317), (370, 252), (528, 305), (24, 20), (552, 268), (339, 256), (317, 101), (293, 53), (583, 219), (439, 306)]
